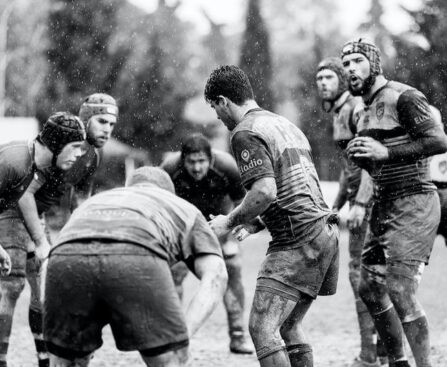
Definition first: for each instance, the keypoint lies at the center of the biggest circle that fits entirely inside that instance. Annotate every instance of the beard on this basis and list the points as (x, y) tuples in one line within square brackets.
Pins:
[(365, 88)]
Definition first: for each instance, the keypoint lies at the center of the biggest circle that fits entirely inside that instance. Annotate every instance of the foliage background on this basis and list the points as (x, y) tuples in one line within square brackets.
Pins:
[(155, 64)]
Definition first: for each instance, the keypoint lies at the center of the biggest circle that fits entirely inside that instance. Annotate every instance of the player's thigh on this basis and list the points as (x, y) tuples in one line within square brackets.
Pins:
[(411, 227), (178, 358), (145, 310), (73, 313), (14, 238)]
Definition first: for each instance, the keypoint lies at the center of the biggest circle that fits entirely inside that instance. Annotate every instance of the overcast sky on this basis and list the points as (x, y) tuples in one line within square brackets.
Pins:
[(232, 12)]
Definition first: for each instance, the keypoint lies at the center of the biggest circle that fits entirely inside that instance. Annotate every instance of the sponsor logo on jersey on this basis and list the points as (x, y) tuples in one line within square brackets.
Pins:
[(380, 110), (252, 164), (245, 155), (420, 119)]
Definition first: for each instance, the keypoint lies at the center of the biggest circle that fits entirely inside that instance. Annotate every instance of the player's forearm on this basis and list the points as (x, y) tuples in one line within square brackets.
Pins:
[(342, 195), (365, 192), (28, 207), (210, 293), (422, 147), (256, 201)]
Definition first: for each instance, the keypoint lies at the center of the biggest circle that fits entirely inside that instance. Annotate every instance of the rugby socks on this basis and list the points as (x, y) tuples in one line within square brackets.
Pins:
[(300, 355), (390, 329), (5, 332), (36, 325), (399, 364), (367, 333), (418, 337)]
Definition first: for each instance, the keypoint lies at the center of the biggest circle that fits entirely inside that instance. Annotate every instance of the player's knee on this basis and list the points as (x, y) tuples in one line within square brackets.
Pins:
[(234, 267), (266, 340), (12, 287), (365, 291), (354, 279)]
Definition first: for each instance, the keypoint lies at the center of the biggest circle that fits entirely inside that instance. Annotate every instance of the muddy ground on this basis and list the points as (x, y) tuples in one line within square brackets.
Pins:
[(331, 323)]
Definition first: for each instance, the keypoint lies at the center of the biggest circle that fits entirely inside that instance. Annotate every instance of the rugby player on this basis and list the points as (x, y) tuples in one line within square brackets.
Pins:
[(275, 162), (59, 144), (55, 187), (438, 173), (111, 265), (397, 132), (210, 180), (355, 187)]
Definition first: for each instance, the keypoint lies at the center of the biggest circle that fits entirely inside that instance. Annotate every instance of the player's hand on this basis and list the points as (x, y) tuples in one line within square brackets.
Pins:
[(367, 147), (219, 225), (356, 216), (5, 262), (42, 248), (242, 231)]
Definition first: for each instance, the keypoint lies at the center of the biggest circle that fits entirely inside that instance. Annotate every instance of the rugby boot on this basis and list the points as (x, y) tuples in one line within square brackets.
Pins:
[(361, 363), (240, 345)]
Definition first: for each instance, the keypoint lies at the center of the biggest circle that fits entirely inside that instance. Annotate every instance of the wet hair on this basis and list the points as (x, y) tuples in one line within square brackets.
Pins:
[(228, 81), (152, 175), (196, 143)]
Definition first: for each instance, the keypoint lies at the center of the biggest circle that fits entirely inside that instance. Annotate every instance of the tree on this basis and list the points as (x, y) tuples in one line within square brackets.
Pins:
[(23, 65), (80, 59), (156, 83), (421, 59), (255, 57)]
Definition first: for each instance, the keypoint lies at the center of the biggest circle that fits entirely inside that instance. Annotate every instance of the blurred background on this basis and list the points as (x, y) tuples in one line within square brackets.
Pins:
[(154, 57)]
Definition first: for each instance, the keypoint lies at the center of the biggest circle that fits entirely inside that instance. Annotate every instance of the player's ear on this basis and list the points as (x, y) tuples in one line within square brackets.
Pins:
[(221, 100)]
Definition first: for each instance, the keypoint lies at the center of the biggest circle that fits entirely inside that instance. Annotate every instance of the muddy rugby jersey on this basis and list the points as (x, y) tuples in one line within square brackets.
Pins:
[(17, 169), (268, 145), (343, 132), (209, 194), (395, 115), (57, 183), (144, 215)]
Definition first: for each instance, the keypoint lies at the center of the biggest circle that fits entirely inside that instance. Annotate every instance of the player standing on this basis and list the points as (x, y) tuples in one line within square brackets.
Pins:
[(355, 187), (274, 159), (396, 134)]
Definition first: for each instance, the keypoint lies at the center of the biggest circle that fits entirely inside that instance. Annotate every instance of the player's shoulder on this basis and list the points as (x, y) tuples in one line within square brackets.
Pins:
[(172, 162), (16, 155), (401, 92), (353, 101), (223, 161)]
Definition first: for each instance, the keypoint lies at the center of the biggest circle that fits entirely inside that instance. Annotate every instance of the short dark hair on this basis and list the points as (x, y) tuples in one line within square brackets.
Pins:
[(196, 143), (151, 175), (228, 81)]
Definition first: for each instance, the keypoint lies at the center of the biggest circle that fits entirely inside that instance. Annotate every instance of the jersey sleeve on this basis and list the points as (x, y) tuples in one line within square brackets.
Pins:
[(228, 166), (5, 174), (201, 241), (252, 156), (171, 163), (414, 113)]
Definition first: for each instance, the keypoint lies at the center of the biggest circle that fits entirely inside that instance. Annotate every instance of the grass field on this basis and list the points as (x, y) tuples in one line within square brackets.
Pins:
[(331, 323)]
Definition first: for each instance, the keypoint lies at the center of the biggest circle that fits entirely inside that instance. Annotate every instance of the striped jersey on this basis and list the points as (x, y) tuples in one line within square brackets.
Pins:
[(268, 145), (17, 168), (343, 132), (396, 115), (144, 215)]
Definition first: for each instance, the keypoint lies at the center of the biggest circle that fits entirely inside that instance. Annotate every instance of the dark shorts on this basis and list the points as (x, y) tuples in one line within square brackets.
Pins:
[(311, 269), (15, 240), (134, 293), (442, 229), (403, 229)]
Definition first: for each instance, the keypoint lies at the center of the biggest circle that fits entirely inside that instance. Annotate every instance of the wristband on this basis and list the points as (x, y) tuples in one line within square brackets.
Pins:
[(358, 203)]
